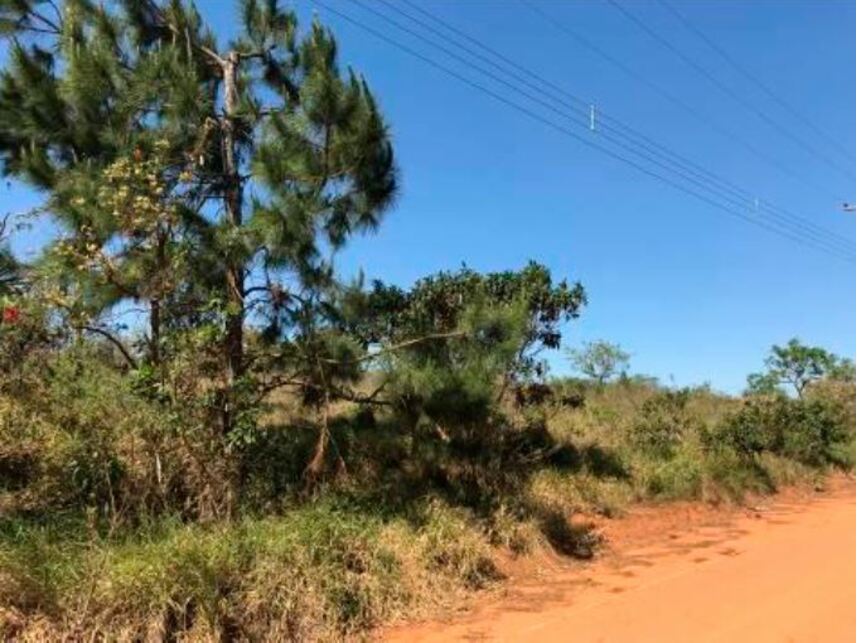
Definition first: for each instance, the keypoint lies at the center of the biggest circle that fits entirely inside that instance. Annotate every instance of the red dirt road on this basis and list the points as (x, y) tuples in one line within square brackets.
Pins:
[(783, 573)]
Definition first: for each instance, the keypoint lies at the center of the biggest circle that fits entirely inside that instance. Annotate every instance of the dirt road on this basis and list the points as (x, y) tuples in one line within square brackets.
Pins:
[(783, 573)]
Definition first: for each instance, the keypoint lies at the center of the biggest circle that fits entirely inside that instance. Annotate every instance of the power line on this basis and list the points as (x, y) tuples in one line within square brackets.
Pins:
[(756, 80), (642, 140), (734, 196), (726, 89), (564, 130), (818, 242), (675, 100)]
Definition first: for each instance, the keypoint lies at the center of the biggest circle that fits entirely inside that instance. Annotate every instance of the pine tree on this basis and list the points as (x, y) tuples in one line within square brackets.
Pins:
[(268, 155)]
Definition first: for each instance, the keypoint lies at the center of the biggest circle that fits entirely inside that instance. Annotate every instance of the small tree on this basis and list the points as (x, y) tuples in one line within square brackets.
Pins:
[(477, 336), (438, 303), (795, 365), (599, 360)]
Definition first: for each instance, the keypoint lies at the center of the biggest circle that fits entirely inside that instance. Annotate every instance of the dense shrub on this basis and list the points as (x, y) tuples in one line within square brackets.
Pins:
[(77, 437), (810, 431), (663, 422), (680, 477), (731, 476)]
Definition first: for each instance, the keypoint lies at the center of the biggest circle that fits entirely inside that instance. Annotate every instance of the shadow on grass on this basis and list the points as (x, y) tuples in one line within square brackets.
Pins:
[(392, 472), (593, 459)]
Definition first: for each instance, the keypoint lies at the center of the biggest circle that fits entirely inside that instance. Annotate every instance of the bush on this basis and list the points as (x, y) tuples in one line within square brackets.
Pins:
[(733, 475), (663, 422), (809, 431), (680, 477), (323, 572), (76, 437)]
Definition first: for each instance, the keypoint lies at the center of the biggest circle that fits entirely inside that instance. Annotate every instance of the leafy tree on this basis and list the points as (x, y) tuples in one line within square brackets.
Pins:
[(486, 306), (450, 346), (795, 365), (843, 370), (599, 360), (437, 305), (149, 139)]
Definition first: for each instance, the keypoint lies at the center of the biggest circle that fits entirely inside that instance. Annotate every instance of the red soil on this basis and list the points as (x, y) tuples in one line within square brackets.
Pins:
[(781, 571)]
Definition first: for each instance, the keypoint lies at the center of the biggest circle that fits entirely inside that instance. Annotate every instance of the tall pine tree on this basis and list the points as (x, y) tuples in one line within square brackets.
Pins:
[(180, 167)]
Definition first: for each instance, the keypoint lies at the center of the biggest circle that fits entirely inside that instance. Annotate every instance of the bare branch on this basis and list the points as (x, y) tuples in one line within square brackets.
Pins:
[(397, 347), (54, 28), (113, 340), (261, 54), (4, 221)]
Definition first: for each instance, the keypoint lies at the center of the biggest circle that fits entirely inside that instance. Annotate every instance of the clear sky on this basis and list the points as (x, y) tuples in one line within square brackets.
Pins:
[(694, 294)]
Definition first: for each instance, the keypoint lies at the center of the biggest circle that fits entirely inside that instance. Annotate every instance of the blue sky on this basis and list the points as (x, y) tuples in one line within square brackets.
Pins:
[(695, 295)]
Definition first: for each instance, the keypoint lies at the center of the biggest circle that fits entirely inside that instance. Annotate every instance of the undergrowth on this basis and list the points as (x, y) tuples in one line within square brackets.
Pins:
[(409, 528)]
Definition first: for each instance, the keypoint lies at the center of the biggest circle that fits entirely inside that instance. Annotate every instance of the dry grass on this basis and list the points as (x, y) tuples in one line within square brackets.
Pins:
[(394, 540)]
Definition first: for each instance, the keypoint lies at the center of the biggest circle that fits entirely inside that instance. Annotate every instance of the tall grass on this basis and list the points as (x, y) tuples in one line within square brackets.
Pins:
[(411, 526), (314, 573)]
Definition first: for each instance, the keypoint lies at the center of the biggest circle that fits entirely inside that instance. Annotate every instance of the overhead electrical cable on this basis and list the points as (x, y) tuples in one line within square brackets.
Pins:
[(607, 122), (678, 102), (753, 78), (699, 179), (725, 89), (759, 222)]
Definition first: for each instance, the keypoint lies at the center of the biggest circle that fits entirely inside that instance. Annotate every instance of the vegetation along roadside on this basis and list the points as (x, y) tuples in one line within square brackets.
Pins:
[(207, 434)]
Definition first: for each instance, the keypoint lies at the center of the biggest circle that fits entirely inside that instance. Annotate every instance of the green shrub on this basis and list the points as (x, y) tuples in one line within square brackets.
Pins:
[(842, 455), (809, 431), (812, 431), (77, 437), (733, 475), (680, 477), (663, 422)]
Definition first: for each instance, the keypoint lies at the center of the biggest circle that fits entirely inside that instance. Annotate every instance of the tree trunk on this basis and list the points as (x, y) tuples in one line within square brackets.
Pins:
[(155, 330), (234, 348), (155, 312)]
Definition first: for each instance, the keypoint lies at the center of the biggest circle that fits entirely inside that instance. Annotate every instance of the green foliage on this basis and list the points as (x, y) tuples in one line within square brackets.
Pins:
[(139, 543), (797, 365), (69, 435), (732, 475), (10, 268), (152, 486), (663, 422), (454, 382), (808, 431), (763, 384), (842, 371), (441, 304), (680, 477), (138, 127), (599, 360)]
